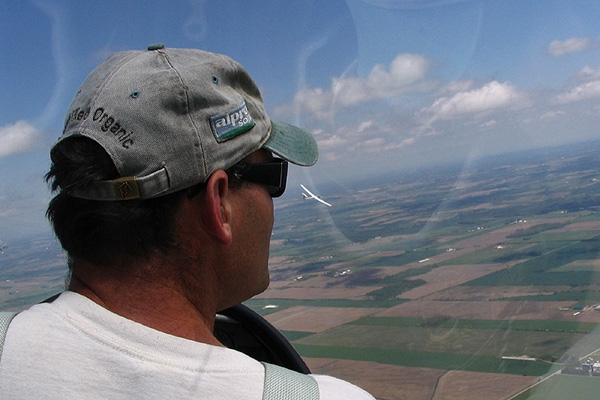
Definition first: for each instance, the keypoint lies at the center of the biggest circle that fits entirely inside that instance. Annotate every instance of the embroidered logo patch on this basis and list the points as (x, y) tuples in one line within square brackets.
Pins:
[(229, 125)]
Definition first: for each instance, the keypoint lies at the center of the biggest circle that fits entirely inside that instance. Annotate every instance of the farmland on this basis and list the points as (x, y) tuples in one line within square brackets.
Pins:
[(433, 284), (449, 270)]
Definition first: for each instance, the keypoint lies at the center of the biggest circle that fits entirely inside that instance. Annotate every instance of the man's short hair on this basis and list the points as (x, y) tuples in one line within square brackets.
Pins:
[(104, 232)]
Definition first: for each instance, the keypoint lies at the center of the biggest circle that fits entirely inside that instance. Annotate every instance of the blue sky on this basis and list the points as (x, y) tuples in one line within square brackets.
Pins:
[(385, 85)]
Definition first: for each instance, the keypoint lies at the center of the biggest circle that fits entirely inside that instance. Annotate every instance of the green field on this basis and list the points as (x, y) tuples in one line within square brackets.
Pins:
[(546, 345), (561, 387), (436, 360)]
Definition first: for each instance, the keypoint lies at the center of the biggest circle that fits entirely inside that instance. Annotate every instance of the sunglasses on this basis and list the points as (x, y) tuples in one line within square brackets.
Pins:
[(273, 174)]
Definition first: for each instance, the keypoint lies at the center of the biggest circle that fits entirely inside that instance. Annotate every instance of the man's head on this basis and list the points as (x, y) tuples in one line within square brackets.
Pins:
[(145, 129)]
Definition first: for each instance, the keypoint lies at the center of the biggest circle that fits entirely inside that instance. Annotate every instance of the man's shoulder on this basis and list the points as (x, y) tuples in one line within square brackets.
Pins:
[(331, 388)]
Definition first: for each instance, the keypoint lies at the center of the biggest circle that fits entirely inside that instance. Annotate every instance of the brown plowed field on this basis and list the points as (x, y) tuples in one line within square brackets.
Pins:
[(381, 380), (463, 385), (391, 382), (448, 276)]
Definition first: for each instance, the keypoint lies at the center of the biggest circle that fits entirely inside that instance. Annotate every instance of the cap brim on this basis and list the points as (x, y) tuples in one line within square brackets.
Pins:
[(293, 144)]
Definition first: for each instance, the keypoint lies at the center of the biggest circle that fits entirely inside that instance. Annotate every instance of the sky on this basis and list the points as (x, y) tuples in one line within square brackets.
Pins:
[(386, 86)]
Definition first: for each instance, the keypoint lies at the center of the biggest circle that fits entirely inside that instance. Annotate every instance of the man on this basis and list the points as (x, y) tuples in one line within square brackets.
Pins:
[(164, 177)]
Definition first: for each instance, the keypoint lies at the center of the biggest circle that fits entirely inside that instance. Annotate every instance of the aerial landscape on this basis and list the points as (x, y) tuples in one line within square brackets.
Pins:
[(446, 245), (457, 281)]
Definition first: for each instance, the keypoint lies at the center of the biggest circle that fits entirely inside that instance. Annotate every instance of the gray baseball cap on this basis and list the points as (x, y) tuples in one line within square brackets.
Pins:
[(169, 118)]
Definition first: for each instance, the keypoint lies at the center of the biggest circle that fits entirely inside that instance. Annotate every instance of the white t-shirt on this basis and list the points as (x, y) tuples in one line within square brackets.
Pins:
[(75, 349)]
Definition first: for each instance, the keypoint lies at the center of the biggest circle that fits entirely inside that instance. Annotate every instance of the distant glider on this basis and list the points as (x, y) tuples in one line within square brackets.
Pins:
[(311, 196)]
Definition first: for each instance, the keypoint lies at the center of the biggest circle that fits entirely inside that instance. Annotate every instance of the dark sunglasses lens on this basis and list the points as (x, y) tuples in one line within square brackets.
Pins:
[(276, 191), (280, 174), (273, 174)]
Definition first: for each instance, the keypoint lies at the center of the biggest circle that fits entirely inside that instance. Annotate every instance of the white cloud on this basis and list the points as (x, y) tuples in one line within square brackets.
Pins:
[(462, 85), (559, 48), (316, 102), (588, 73), (331, 143), (581, 92), (349, 91), (11, 212), (329, 149), (365, 125), (373, 145), (492, 96), (410, 4), (403, 75), (489, 123), (552, 115), (20, 137), (403, 143), (405, 70)]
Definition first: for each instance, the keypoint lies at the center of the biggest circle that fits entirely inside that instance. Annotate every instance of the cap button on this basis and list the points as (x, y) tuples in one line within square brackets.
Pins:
[(156, 46)]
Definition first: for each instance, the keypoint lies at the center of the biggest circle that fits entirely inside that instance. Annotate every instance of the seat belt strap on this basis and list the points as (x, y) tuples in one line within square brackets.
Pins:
[(5, 318), (284, 384)]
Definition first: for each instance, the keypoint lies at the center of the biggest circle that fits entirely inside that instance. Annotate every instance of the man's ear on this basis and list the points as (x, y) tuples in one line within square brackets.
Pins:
[(216, 213)]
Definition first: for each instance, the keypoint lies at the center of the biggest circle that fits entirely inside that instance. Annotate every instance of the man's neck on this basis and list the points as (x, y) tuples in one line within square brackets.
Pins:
[(156, 304)]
